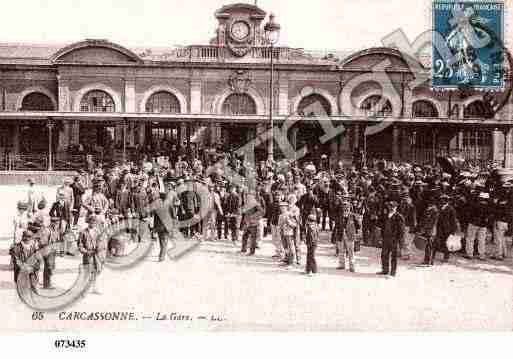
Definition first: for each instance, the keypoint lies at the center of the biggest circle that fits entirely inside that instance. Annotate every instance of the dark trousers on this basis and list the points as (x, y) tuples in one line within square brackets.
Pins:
[(389, 256), (311, 263), (219, 225), (429, 251), (251, 233), (441, 246), (232, 226), (76, 216), (163, 239), (49, 267)]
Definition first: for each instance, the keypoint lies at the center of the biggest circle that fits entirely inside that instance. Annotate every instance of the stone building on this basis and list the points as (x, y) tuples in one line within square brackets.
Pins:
[(94, 96)]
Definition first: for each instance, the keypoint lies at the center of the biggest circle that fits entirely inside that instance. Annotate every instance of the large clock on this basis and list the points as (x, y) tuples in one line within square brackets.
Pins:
[(240, 30)]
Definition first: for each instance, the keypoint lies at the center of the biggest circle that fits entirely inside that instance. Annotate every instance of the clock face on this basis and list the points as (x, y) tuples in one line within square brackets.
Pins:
[(240, 30)]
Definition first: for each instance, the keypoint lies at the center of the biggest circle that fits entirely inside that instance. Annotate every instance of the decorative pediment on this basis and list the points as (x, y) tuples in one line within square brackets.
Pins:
[(95, 51), (369, 58)]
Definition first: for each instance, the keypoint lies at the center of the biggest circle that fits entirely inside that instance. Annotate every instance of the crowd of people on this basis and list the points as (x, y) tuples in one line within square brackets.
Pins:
[(395, 207)]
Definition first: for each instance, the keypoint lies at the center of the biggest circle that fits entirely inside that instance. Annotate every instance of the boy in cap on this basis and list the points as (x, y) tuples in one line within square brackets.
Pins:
[(287, 228), (93, 250)]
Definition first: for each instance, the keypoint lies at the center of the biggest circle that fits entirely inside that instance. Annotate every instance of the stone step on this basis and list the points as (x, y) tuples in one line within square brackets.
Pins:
[(45, 178)]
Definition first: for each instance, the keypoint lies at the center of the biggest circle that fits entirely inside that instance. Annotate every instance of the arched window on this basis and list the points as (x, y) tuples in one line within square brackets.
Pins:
[(163, 102), (423, 108), (376, 105), (314, 105), (476, 109), (37, 101), (239, 104), (97, 101)]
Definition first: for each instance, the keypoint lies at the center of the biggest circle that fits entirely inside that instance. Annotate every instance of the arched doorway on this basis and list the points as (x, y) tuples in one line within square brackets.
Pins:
[(237, 135), (425, 146), (161, 137), (378, 145), (317, 108), (33, 136), (99, 138), (477, 141)]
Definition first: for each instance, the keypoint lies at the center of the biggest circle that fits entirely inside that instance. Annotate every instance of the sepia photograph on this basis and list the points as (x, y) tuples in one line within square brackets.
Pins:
[(255, 167)]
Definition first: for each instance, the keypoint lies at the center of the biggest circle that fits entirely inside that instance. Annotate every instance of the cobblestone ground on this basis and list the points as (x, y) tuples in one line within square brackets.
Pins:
[(254, 293)]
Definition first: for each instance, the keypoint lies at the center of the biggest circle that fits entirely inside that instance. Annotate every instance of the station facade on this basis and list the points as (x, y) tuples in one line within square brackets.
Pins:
[(58, 103)]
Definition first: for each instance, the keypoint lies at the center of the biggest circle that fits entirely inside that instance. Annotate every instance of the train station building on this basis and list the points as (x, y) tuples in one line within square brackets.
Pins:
[(59, 103)]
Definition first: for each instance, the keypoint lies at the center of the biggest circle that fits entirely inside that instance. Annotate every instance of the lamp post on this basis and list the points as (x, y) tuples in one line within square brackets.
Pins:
[(50, 126), (272, 34)]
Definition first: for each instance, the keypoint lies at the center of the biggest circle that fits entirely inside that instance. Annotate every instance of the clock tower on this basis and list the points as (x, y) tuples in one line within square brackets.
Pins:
[(240, 28)]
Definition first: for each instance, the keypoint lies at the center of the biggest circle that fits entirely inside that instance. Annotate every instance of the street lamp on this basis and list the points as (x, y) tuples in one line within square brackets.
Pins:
[(272, 34)]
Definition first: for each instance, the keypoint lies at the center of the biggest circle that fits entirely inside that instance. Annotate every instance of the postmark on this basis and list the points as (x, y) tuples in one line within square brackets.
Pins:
[(473, 32)]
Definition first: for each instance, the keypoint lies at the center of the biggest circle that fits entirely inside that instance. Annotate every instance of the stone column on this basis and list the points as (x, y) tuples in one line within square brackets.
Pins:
[(188, 134), (396, 155), (406, 143), (344, 147), (293, 141), (64, 106), (131, 134), (142, 133), (356, 136), (16, 139), (75, 133), (283, 95), (460, 142), (508, 147), (195, 106), (497, 146), (130, 105)]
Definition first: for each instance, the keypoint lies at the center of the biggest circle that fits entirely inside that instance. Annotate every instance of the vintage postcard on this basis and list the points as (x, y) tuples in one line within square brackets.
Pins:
[(267, 166)]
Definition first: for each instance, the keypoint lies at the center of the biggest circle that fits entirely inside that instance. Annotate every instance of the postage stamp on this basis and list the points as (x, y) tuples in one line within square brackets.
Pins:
[(468, 44)]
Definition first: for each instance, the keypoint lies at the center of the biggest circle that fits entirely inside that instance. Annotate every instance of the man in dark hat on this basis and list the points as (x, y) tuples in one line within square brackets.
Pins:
[(251, 222), (447, 225), (78, 187), (480, 218), (233, 204), (392, 233), (427, 228), (307, 204)]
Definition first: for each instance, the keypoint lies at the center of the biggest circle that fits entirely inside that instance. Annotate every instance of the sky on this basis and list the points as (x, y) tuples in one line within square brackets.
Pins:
[(316, 25)]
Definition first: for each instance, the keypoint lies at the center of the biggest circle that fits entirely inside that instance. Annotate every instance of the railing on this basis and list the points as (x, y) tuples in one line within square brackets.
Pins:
[(67, 162), (31, 162), (4, 162), (218, 53)]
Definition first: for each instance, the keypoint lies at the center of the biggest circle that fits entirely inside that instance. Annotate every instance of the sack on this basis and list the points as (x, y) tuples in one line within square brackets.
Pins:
[(454, 243), (420, 242)]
